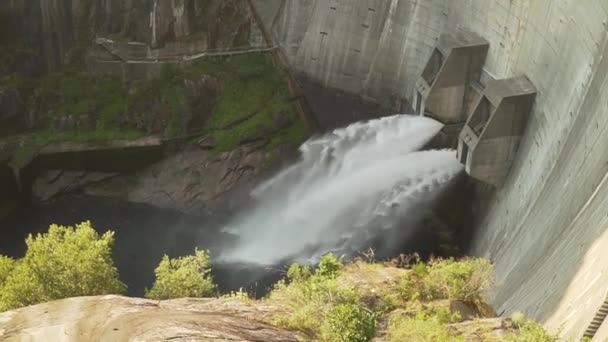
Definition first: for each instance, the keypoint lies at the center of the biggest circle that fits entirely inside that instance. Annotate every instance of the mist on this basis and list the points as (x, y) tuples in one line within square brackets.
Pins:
[(350, 186)]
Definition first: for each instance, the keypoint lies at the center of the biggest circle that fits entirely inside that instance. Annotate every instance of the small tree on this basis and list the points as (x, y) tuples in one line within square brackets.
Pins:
[(64, 262), (187, 276)]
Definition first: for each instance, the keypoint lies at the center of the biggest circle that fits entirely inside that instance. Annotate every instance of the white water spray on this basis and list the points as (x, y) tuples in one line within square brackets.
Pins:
[(350, 185)]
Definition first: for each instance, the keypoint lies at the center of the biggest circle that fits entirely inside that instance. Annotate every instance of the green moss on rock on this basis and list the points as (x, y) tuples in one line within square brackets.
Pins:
[(255, 104)]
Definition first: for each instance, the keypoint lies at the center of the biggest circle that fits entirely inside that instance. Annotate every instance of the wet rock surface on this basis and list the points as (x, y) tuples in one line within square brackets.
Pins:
[(195, 181), (54, 183), (115, 318)]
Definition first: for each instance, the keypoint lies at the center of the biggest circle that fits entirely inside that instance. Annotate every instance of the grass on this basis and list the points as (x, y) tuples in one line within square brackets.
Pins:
[(422, 327)]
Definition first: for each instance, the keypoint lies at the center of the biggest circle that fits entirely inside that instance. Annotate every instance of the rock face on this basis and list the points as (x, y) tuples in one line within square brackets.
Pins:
[(116, 318), (50, 28), (53, 183), (194, 181), (44, 26)]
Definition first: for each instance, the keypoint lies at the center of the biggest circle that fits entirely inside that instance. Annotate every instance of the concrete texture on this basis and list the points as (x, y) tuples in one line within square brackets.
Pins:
[(551, 209), (445, 82), (488, 143)]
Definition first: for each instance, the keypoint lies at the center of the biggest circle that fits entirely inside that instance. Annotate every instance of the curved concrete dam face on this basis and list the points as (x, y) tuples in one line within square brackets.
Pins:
[(545, 226)]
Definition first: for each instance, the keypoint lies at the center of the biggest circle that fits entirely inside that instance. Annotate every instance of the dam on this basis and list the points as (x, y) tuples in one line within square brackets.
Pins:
[(520, 86), (544, 227)]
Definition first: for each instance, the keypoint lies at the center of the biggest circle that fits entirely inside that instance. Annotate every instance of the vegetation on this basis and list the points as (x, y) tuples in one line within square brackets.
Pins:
[(253, 105), (464, 279), (64, 262), (337, 302), (334, 302), (529, 331), (187, 276), (254, 98), (240, 295), (423, 327), (311, 297), (6, 267), (348, 322)]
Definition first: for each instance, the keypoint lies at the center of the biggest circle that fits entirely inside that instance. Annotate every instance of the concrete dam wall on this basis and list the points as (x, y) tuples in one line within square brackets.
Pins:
[(545, 226)]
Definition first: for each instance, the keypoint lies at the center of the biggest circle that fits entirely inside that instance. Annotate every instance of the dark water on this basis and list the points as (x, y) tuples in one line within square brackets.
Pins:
[(143, 234)]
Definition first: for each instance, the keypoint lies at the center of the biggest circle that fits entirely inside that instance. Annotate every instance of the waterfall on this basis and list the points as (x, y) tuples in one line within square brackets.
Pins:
[(350, 185)]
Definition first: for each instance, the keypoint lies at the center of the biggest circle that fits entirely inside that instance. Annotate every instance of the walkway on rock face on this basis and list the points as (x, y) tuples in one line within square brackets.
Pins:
[(108, 45)]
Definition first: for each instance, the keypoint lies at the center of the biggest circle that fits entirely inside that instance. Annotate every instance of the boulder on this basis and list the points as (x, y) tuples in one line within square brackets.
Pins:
[(117, 318)]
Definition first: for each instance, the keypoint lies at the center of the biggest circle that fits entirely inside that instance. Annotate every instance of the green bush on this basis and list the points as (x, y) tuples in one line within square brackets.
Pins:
[(298, 272), (64, 262), (309, 300), (464, 279), (529, 331), (310, 296), (6, 266), (329, 266), (348, 323), (424, 327), (187, 276)]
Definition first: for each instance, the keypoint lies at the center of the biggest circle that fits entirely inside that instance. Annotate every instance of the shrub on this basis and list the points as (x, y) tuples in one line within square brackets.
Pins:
[(329, 266), (309, 300), (464, 279), (298, 272), (424, 327), (348, 323), (530, 331), (6, 266), (311, 296), (187, 276), (64, 262)]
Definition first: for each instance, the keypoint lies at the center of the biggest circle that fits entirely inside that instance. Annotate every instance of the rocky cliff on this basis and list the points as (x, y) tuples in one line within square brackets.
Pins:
[(196, 74), (45, 31)]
